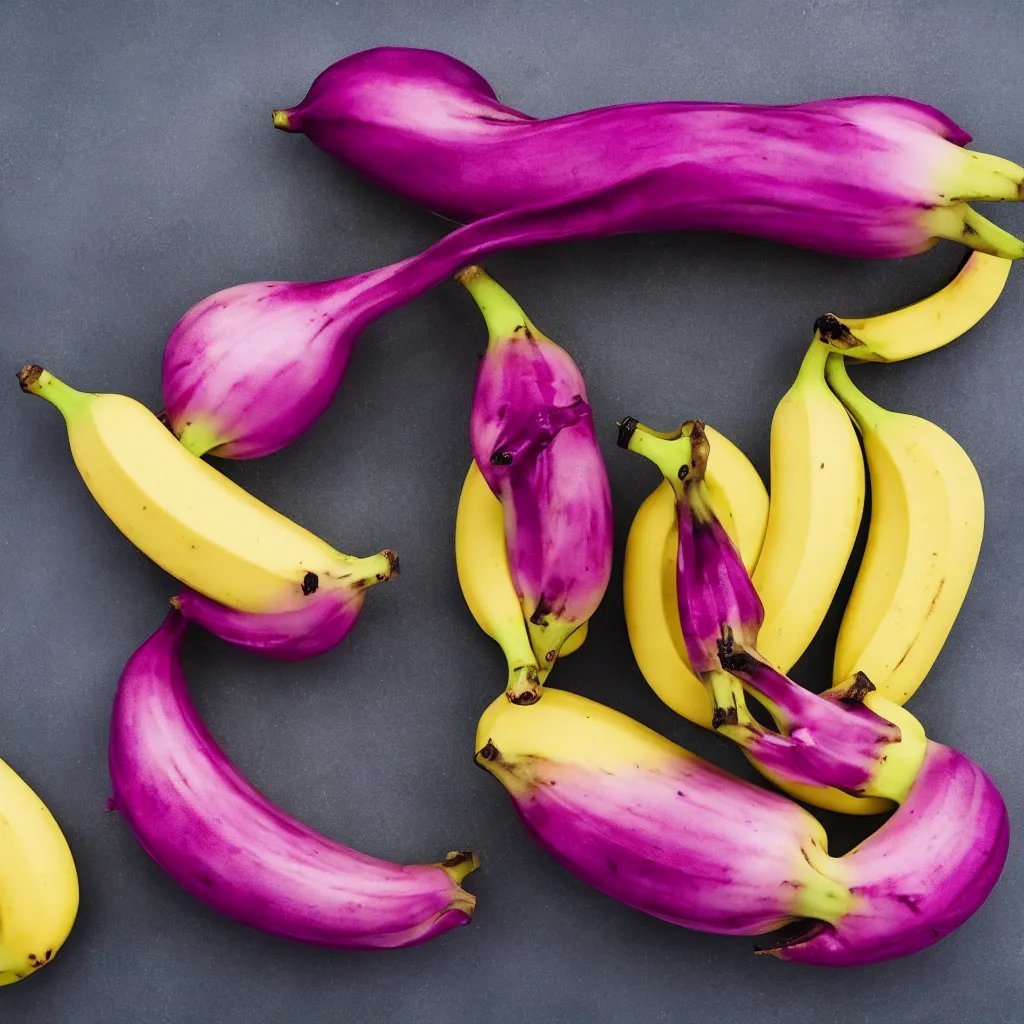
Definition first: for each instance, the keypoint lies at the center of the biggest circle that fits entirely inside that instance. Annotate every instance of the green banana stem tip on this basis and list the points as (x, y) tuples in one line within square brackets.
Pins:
[(864, 412), (200, 438), (681, 455), (961, 223), (502, 314), (34, 380), (812, 367)]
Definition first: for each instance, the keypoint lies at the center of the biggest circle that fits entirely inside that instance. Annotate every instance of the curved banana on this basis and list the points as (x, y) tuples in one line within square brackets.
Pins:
[(740, 501), (191, 520), (38, 881), (817, 487), (925, 325), (927, 520), (650, 824), (481, 559)]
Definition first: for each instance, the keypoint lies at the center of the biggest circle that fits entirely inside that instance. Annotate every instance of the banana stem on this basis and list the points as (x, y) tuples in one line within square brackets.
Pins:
[(502, 314), (865, 413), (962, 224), (671, 453), (459, 863), (375, 568), (524, 683), (730, 716), (34, 380), (812, 368)]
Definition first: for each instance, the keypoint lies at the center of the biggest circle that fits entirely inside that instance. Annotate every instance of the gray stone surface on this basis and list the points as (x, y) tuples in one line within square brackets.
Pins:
[(138, 173)]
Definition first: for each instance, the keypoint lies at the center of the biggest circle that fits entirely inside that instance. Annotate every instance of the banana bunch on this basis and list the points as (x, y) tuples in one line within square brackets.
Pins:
[(924, 537), (533, 535), (724, 590), (724, 587)]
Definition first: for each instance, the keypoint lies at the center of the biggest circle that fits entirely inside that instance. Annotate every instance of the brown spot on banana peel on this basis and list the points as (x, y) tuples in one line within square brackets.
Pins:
[(543, 609), (309, 583), (935, 599), (724, 717), (927, 616), (733, 660), (700, 449), (488, 752)]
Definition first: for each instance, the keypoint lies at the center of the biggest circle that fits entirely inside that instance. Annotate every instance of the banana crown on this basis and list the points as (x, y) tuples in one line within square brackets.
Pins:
[(835, 741)]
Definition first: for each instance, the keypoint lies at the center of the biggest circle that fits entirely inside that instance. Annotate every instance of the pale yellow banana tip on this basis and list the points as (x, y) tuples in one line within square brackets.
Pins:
[(282, 120)]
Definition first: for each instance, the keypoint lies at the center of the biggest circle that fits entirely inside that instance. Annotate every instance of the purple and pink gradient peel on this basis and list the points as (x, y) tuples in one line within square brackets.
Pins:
[(532, 437), (250, 369), (663, 831), (219, 838), (324, 620), (922, 874), (874, 176)]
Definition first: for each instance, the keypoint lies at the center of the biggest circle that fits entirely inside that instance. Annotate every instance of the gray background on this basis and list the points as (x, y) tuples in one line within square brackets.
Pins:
[(139, 172)]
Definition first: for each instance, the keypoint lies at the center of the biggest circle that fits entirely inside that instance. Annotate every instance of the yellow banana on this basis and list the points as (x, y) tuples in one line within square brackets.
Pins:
[(38, 881), (191, 520), (481, 560), (925, 325), (740, 502), (817, 486), (927, 520)]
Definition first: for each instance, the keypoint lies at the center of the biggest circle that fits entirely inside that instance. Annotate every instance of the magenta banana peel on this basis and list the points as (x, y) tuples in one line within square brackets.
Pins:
[(195, 814), (874, 176), (249, 369), (324, 619), (833, 739), (659, 829), (532, 437)]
